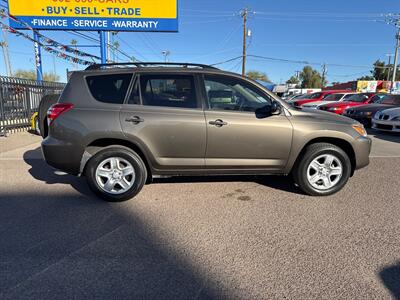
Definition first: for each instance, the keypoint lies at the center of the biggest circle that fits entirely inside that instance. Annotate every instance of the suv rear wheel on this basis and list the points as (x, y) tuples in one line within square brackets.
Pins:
[(116, 174), (323, 170)]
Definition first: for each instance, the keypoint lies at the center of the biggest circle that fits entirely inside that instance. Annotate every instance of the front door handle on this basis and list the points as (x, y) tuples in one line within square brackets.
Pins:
[(218, 123), (134, 120)]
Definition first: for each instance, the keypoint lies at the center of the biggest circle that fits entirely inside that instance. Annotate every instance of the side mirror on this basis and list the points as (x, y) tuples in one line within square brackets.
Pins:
[(275, 108), (269, 110)]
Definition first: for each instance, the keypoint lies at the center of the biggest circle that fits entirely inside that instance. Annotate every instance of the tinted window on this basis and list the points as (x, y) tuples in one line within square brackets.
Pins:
[(109, 88), (232, 94), (377, 98), (168, 90), (333, 97), (390, 99), (358, 98), (315, 96)]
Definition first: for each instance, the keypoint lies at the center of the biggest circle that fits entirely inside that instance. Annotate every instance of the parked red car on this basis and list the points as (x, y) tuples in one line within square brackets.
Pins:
[(355, 100), (318, 96)]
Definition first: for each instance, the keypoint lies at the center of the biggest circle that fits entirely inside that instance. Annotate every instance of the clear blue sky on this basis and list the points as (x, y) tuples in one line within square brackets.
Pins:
[(335, 32)]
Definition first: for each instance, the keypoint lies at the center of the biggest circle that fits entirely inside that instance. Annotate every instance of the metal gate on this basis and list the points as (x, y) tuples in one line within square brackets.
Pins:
[(19, 99)]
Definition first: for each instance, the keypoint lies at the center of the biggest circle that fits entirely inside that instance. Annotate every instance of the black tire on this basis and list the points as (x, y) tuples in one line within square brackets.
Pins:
[(119, 152), (313, 151)]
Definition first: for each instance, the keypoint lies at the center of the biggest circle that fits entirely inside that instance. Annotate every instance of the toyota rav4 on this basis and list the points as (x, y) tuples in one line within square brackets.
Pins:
[(120, 125)]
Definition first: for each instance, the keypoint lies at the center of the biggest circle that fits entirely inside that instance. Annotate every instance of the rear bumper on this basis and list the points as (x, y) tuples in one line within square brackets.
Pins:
[(62, 155), (362, 151)]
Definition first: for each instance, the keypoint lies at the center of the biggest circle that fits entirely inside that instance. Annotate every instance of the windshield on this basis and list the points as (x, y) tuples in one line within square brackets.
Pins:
[(305, 96), (390, 99), (333, 97), (313, 96), (358, 98), (377, 98)]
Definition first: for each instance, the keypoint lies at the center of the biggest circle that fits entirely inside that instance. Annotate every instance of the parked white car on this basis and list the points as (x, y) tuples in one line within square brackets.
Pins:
[(387, 120), (328, 99)]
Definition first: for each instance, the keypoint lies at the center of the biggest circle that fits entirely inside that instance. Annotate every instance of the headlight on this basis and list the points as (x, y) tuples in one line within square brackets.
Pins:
[(333, 108), (360, 129), (396, 118), (366, 113)]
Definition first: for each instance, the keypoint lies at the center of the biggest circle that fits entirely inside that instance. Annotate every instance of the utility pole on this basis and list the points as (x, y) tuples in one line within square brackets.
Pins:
[(396, 54), (244, 13), (324, 71), (394, 20), (389, 68), (7, 62)]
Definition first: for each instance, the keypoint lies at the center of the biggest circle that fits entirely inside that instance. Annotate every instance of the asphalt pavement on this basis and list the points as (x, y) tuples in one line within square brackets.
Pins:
[(198, 238)]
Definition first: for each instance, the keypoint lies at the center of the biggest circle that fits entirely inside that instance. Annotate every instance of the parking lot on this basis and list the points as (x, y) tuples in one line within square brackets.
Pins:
[(198, 238)]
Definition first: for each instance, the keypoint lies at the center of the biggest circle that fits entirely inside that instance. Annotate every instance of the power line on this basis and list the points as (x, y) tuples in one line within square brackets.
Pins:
[(132, 48)]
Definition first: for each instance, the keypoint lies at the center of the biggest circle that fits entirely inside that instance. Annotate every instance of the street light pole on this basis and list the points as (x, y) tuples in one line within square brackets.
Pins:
[(166, 53)]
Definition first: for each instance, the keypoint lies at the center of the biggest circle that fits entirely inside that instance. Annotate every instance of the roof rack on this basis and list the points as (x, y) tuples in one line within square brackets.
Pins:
[(144, 64)]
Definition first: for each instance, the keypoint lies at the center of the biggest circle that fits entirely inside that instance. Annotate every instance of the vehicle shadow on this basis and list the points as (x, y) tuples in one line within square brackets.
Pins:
[(390, 276), (386, 136), (41, 171), (59, 244), (283, 183)]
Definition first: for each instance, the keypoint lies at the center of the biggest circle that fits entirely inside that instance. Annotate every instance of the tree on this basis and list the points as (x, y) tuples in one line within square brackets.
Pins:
[(31, 74), (380, 71), (310, 78), (257, 75), (366, 77), (293, 80)]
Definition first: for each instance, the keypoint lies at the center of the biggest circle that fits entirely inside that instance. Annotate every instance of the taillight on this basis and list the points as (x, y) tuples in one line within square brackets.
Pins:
[(57, 110)]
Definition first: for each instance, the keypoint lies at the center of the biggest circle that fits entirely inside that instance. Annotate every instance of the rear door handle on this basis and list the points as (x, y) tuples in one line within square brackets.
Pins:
[(218, 123), (134, 120)]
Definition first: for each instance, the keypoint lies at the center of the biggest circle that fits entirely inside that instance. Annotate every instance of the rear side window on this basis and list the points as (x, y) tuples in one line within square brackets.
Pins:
[(168, 90), (109, 88)]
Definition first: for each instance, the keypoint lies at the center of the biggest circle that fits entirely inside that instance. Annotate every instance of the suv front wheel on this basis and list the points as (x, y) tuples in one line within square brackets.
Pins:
[(116, 174), (323, 170)]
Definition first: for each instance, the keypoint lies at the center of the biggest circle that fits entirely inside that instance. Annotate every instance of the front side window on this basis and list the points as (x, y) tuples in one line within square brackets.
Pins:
[(109, 88), (357, 98), (333, 97), (315, 96), (231, 94), (168, 91), (390, 99), (377, 98)]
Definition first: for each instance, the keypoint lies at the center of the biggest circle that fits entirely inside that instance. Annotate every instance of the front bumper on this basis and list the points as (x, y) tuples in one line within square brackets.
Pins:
[(362, 149), (390, 126)]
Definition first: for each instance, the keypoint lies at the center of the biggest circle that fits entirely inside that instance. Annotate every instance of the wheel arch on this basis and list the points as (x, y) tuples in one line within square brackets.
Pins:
[(341, 143), (99, 144)]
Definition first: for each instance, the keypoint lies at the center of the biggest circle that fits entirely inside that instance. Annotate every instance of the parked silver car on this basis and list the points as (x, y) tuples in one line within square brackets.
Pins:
[(387, 120)]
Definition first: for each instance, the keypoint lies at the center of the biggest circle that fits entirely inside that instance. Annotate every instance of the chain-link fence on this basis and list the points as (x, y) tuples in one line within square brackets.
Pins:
[(19, 99)]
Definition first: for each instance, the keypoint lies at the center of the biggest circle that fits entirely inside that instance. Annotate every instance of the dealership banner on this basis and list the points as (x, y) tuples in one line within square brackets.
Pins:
[(364, 86), (109, 15)]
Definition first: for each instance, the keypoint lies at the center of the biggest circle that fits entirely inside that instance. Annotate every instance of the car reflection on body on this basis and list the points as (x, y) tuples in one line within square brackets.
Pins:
[(364, 113), (338, 97)]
